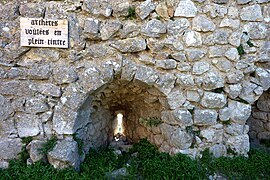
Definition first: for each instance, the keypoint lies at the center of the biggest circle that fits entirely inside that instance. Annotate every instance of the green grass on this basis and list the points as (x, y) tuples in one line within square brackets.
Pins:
[(148, 164), (48, 145)]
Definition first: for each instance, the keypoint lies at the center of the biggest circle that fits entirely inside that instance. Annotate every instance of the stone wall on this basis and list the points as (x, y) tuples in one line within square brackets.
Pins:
[(195, 65)]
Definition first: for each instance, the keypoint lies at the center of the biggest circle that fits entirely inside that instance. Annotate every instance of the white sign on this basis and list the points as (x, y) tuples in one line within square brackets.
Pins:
[(44, 32)]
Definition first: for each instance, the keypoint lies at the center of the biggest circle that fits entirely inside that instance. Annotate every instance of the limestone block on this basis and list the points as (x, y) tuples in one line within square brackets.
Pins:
[(64, 74), (202, 23), (255, 30), (186, 8), (200, 67), (183, 117), (218, 150), (166, 64), (177, 26), (145, 8), (205, 117), (109, 28), (91, 28), (153, 28), (10, 148), (185, 80), (34, 150), (27, 125), (223, 65), (251, 13), (64, 154), (213, 100), (98, 8), (195, 54), (240, 112), (181, 139), (130, 45), (176, 99), (231, 23), (192, 39), (233, 90), (239, 144), (212, 80), (264, 78)]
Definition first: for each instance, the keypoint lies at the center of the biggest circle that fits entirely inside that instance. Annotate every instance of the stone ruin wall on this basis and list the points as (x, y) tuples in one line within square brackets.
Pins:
[(197, 66)]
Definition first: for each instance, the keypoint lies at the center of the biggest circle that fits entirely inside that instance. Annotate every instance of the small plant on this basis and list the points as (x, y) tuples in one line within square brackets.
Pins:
[(266, 142), (227, 122), (158, 18), (131, 13), (250, 44), (80, 144), (48, 146), (218, 90), (240, 50), (150, 121), (27, 140)]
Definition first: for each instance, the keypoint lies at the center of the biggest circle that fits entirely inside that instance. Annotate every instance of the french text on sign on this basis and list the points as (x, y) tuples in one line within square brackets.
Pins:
[(36, 32)]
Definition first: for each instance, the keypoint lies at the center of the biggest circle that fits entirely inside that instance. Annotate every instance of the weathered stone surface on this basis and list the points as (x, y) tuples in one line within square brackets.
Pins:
[(243, 1), (146, 74), (109, 28), (215, 10), (145, 8), (251, 13), (34, 150), (185, 80), (130, 29), (10, 148), (129, 45), (239, 144), (232, 54), (176, 99), (177, 26), (213, 100), (193, 96), (64, 74), (213, 134), (166, 64), (64, 154), (64, 120), (218, 150), (186, 8), (240, 112), (192, 39), (205, 117), (195, 54), (212, 80), (247, 92), (183, 116), (47, 89), (235, 76), (235, 24), (98, 8), (153, 28), (27, 125), (236, 129), (36, 105), (181, 139), (202, 23), (91, 28), (162, 10), (255, 30), (223, 65), (221, 1), (5, 109), (264, 78), (200, 67)]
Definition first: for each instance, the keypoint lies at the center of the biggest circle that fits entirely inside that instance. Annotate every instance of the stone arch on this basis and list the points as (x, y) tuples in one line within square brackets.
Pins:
[(144, 94)]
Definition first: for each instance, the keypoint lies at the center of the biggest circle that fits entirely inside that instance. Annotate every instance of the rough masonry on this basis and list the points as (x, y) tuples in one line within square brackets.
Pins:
[(196, 65)]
